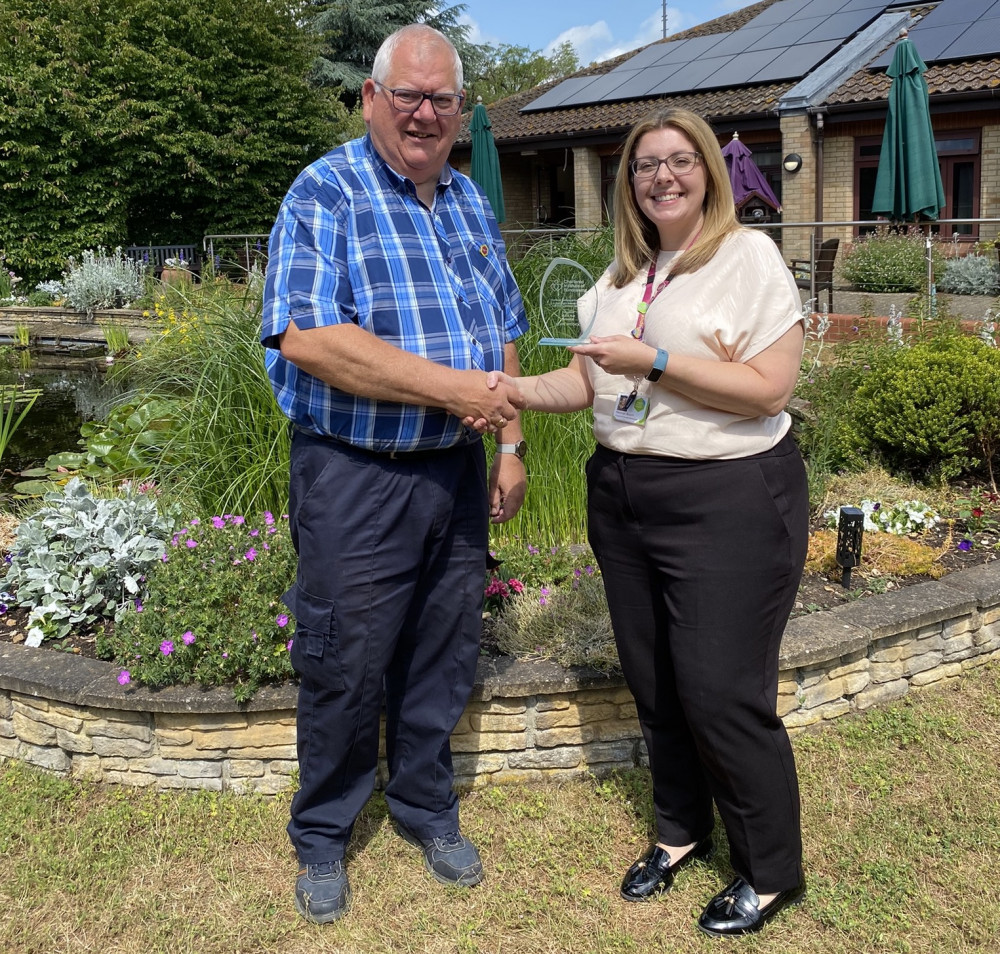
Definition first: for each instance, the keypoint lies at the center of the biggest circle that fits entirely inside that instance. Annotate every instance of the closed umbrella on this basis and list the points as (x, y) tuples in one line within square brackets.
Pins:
[(908, 183), (747, 179), (485, 160)]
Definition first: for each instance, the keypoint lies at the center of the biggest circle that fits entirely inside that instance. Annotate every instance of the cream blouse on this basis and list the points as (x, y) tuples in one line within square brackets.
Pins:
[(731, 309)]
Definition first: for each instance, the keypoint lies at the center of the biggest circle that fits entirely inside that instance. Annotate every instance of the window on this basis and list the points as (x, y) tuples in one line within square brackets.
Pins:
[(609, 170), (958, 159)]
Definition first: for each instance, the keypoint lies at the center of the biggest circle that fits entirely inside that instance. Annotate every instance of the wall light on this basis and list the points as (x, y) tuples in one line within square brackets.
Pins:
[(792, 162)]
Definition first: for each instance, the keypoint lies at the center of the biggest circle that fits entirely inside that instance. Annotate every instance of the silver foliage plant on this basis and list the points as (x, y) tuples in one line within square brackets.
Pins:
[(103, 279), (79, 558)]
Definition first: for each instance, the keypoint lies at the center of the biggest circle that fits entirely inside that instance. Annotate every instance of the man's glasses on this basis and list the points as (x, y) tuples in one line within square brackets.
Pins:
[(680, 164), (410, 100)]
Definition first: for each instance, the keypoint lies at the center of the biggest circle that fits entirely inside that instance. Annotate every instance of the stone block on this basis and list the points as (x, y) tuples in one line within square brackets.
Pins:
[(87, 768), (498, 721), (576, 715), (548, 703), (172, 737), (31, 731), (944, 672), (592, 732), (257, 736), (138, 729), (283, 767), (246, 768), (74, 742), (880, 693), (801, 718), (621, 752), (475, 764), (46, 757), (959, 646), (568, 757), (489, 742), (121, 748)]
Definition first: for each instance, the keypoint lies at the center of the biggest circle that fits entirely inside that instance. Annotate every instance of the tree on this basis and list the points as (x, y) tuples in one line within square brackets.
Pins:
[(353, 30), (507, 69), (136, 122)]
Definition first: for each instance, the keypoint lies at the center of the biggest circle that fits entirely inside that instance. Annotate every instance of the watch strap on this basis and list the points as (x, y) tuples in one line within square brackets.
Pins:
[(659, 364)]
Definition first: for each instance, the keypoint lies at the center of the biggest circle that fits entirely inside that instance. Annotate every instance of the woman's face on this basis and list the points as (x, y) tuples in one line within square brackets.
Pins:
[(673, 203)]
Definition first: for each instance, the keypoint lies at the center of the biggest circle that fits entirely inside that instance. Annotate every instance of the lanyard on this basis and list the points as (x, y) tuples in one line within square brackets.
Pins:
[(649, 296)]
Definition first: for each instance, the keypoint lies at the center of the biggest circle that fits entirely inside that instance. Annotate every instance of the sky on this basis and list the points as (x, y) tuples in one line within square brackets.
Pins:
[(598, 29)]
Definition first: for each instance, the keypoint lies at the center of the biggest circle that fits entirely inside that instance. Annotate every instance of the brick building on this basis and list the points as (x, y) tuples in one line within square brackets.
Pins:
[(821, 95)]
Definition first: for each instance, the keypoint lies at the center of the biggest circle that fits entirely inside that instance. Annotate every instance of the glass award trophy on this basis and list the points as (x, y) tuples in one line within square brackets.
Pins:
[(563, 323)]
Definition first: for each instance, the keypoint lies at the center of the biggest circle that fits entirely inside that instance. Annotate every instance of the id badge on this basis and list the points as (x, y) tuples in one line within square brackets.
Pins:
[(631, 409)]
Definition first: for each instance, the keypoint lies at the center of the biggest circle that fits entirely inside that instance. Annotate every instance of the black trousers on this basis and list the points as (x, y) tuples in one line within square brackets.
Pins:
[(701, 562), (388, 594)]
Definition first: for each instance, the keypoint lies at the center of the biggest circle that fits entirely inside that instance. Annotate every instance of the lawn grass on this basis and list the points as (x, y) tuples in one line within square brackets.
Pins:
[(901, 811)]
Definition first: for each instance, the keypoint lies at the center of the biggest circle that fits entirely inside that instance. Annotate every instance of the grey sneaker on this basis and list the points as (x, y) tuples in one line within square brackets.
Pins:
[(450, 858), (322, 892)]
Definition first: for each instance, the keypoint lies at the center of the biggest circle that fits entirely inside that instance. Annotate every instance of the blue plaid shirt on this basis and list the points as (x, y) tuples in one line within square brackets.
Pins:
[(352, 243)]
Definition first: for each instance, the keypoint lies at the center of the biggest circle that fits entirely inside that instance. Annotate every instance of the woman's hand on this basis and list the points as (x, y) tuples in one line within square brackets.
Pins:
[(618, 354)]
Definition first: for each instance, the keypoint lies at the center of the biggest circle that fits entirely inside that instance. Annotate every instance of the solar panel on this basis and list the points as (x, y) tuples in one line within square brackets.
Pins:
[(784, 42), (786, 34), (984, 33)]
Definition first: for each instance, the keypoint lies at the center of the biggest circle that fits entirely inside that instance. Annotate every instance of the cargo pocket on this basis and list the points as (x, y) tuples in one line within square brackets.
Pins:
[(316, 645)]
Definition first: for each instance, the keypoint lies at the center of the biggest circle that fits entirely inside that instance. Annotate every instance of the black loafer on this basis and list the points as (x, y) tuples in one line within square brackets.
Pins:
[(736, 909), (654, 872)]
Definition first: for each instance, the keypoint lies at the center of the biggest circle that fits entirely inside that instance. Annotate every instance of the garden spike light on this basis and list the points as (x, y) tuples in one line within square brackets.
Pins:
[(850, 528)]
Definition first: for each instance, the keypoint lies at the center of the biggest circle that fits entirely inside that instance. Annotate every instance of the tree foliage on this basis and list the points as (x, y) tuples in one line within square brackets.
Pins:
[(506, 70), (353, 30), (140, 122)]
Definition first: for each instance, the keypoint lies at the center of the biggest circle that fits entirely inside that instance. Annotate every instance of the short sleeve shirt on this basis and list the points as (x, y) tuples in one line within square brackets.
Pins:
[(731, 309), (352, 243)]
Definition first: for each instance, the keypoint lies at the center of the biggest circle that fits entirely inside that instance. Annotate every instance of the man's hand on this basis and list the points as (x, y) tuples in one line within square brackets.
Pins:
[(508, 484), (490, 403)]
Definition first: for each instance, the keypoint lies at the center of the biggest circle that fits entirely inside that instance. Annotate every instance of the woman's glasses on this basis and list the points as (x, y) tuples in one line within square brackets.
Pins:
[(410, 100), (680, 164)]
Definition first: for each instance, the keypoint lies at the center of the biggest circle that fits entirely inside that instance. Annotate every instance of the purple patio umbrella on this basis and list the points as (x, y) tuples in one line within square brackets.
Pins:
[(748, 181)]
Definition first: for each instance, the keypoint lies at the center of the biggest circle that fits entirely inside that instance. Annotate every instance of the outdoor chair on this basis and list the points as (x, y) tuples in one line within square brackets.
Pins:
[(826, 254)]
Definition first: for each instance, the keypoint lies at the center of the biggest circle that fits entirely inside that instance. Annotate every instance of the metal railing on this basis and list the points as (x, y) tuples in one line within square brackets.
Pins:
[(520, 240), (254, 249)]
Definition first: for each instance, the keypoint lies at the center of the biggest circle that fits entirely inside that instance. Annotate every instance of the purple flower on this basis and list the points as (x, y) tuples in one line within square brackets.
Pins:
[(965, 545), (166, 647), (188, 638), (138, 606), (288, 645), (534, 551), (282, 620), (195, 522), (191, 544), (218, 523), (251, 554), (268, 518), (124, 677), (3, 608), (239, 520), (254, 533), (164, 558)]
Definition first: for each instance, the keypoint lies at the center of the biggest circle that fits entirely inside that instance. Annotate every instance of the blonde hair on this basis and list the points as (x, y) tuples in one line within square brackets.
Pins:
[(636, 238)]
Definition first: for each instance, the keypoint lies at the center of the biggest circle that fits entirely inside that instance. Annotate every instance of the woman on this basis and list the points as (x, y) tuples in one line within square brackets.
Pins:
[(698, 508)]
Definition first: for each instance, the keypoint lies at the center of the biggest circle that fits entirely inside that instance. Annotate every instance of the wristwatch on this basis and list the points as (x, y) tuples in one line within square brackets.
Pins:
[(659, 364), (520, 449)]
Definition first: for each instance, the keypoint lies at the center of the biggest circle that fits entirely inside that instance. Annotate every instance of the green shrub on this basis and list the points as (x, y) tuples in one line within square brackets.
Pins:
[(890, 262), (971, 275), (932, 410), (211, 613)]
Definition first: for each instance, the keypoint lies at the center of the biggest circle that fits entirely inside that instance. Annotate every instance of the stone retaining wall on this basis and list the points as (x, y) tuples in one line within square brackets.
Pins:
[(525, 721)]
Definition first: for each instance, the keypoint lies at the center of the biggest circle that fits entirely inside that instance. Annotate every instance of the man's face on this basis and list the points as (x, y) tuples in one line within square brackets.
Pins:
[(417, 144)]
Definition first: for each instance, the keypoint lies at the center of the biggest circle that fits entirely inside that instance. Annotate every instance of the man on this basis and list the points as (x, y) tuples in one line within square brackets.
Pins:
[(387, 302)]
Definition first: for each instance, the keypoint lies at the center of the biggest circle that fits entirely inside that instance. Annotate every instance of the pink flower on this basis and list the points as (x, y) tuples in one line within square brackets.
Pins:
[(516, 585), (288, 645), (124, 677), (188, 638), (268, 518), (282, 620), (218, 523), (166, 647), (191, 544), (239, 520), (251, 554)]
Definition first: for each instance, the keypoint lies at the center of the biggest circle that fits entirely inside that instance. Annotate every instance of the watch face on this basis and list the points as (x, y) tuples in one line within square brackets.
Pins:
[(521, 449)]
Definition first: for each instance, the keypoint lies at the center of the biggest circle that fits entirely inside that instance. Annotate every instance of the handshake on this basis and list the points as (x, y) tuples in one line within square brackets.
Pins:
[(491, 403)]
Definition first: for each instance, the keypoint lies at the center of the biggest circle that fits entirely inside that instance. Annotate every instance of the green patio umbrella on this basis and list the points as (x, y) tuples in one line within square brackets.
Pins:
[(908, 183), (485, 160)]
